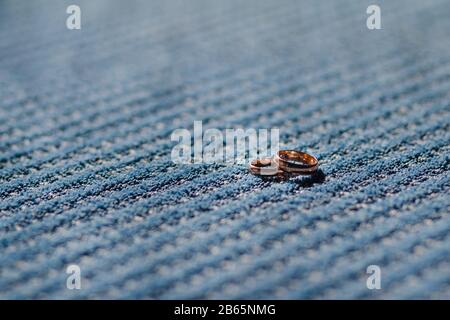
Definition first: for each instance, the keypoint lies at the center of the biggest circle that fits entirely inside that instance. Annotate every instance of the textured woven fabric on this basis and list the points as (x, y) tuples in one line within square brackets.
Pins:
[(85, 171)]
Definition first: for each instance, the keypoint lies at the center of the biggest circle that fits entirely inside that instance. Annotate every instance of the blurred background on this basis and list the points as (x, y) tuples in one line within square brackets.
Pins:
[(85, 171)]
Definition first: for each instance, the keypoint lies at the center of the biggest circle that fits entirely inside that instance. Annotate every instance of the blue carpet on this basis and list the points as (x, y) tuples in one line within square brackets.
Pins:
[(85, 171)]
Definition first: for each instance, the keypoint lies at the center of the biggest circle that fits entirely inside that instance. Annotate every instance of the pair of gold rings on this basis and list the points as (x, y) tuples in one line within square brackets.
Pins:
[(290, 162)]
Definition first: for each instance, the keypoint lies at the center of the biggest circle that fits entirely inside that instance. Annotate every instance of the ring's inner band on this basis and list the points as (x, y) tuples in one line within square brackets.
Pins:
[(297, 158), (262, 163), (265, 167)]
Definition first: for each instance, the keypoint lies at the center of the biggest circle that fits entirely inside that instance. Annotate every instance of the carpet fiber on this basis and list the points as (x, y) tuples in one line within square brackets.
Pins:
[(86, 176)]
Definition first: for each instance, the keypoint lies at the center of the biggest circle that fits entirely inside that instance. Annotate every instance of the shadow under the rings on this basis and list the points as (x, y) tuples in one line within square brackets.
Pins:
[(317, 177)]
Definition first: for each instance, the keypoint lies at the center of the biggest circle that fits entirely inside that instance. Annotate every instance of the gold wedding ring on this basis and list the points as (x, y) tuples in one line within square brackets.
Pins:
[(297, 162)]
